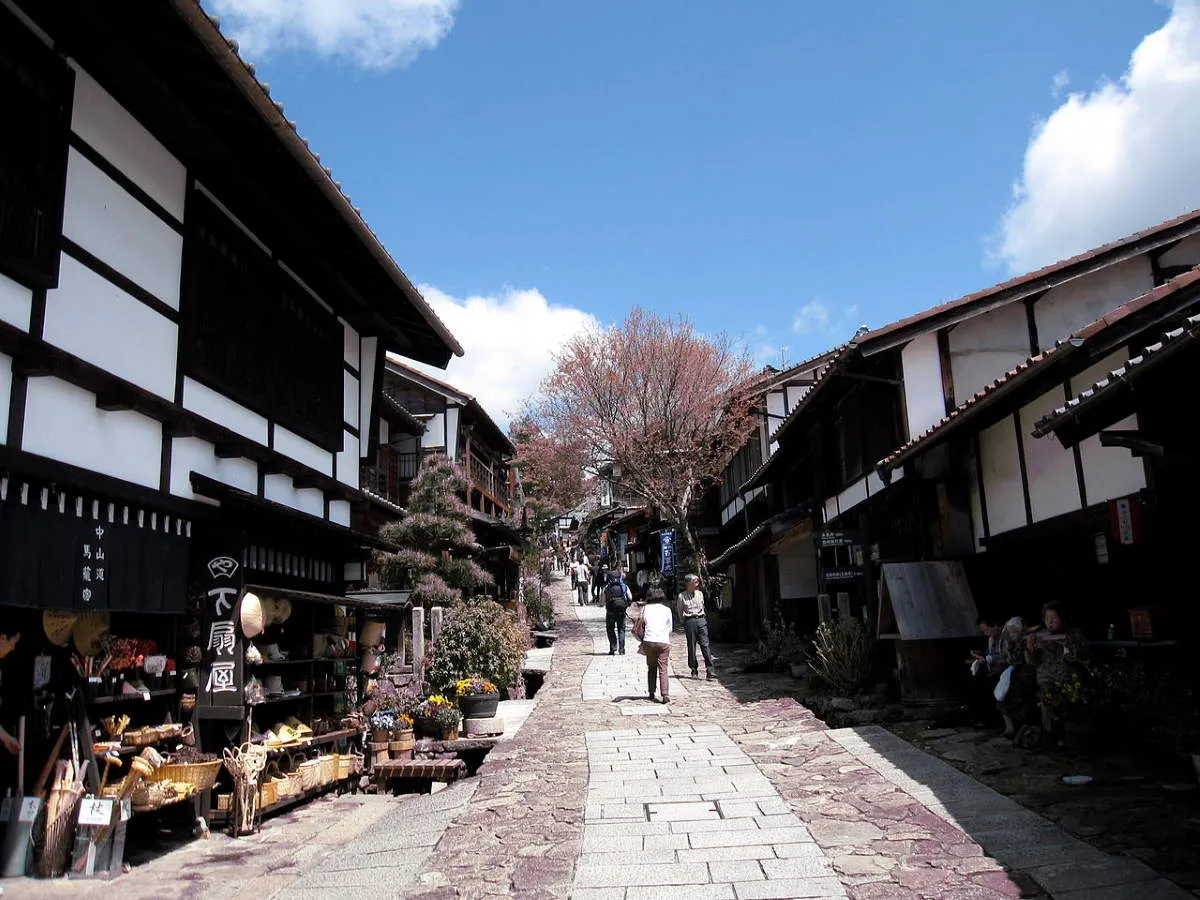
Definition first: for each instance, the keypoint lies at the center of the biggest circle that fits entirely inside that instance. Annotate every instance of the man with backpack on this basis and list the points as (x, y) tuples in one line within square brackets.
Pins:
[(617, 597)]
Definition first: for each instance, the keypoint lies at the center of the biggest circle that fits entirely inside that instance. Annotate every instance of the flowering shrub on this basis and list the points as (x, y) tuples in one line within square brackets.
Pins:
[(441, 710), (383, 719), (479, 638), (469, 687)]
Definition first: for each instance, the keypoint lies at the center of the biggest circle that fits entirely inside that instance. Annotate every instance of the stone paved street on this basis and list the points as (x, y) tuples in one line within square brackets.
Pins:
[(733, 790)]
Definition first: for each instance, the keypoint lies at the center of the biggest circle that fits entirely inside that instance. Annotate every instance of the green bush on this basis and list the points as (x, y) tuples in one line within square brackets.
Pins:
[(779, 649), (538, 603), (478, 637), (842, 653)]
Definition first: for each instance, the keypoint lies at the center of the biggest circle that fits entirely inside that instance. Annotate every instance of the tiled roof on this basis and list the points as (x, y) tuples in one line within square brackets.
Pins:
[(1151, 355), (1040, 279), (837, 358), (1013, 378), (731, 552)]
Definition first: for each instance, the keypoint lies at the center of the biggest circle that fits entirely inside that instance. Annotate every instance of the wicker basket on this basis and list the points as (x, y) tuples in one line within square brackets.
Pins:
[(269, 791), (310, 775), (345, 765), (201, 776), (294, 787), (224, 802), (329, 768)]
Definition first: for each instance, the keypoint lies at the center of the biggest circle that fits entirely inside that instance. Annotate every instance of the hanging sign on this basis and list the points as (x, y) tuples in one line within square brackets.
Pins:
[(842, 574), (1124, 519), (220, 637), (827, 539), (666, 540)]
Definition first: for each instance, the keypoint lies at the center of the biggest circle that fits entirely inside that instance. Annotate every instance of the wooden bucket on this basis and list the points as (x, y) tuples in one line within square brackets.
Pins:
[(402, 745)]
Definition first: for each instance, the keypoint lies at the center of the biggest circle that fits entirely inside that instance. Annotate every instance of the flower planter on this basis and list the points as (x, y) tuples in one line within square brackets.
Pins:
[(401, 745), (380, 735), (479, 706)]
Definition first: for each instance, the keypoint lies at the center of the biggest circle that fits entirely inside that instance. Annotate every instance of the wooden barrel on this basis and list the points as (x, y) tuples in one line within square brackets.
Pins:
[(402, 744)]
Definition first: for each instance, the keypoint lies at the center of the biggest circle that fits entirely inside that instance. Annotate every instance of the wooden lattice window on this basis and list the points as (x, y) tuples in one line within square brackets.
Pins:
[(250, 331), (35, 106)]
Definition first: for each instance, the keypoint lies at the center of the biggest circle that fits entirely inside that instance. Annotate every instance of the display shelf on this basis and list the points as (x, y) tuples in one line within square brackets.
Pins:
[(135, 698), (328, 693), (270, 700), (308, 743), (283, 662)]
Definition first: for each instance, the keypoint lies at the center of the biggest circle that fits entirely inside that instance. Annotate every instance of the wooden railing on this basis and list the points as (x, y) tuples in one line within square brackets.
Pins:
[(487, 481), (391, 477)]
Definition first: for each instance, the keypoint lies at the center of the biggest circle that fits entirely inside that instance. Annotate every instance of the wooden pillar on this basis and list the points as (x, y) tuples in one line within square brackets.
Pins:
[(435, 623), (418, 640)]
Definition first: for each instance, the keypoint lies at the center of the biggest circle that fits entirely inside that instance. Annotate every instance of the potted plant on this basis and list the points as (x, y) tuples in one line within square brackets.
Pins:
[(478, 698), (438, 716), (382, 722)]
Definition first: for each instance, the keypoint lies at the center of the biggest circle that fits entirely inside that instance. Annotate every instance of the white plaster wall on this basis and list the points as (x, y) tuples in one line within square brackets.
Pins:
[(1053, 482), (350, 348), (306, 452), (776, 410), (16, 302), (976, 503), (350, 404), (369, 350), (922, 370), (110, 129), (348, 460), (1185, 253), (111, 224), (1081, 301), (852, 496), (62, 423), (279, 489), (435, 432), (797, 569), (453, 414), (195, 455), (92, 318), (796, 393), (5, 394), (1002, 477), (218, 408), (984, 348), (1108, 472), (339, 512)]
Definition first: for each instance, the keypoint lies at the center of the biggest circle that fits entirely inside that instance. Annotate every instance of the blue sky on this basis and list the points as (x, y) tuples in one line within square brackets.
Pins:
[(777, 169)]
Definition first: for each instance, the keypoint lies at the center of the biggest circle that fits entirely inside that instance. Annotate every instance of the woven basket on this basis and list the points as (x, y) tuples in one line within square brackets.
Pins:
[(345, 763), (270, 791), (294, 787), (329, 768), (224, 802), (201, 776), (310, 775)]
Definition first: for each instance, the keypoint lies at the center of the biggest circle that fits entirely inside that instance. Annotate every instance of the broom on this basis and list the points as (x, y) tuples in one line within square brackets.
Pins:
[(61, 809)]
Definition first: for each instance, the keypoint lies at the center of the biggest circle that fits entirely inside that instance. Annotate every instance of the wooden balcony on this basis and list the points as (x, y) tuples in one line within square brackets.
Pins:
[(489, 487), (391, 478)]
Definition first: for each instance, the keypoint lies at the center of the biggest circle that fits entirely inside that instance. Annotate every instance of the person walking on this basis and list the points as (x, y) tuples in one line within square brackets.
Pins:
[(583, 580), (695, 625), (616, 599), (598, 579), (656, 625)]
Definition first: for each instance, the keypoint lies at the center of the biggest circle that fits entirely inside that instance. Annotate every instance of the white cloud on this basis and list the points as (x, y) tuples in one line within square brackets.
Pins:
[(817, 318), (1061, 82), (509, 341), (1113, 161), (373, 34), (812, 317)]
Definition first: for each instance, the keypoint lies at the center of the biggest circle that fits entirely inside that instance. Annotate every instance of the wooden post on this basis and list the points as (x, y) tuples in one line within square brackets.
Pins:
[(824, 608), (435, 622), (418, 641), (843, 601)]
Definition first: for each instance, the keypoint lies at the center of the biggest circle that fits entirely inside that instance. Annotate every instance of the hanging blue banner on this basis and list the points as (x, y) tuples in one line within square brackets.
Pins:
[(667, 542)]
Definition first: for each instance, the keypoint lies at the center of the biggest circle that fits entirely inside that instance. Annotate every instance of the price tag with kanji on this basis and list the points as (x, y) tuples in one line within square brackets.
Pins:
[(95, 811), (126, 810), (29, 809)]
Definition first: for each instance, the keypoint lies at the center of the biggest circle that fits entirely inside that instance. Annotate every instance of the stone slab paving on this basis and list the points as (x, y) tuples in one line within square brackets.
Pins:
[(619, 677), (1062, 865), (683, 810)]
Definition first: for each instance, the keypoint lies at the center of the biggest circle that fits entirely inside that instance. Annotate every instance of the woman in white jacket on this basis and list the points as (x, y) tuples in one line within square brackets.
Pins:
[(656, 642)]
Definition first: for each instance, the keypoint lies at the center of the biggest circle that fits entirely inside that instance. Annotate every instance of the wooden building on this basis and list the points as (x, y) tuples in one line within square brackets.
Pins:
[(193, 325)]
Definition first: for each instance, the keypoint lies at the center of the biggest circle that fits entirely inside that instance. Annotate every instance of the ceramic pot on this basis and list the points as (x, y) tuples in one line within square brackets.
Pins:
[(479, 706)]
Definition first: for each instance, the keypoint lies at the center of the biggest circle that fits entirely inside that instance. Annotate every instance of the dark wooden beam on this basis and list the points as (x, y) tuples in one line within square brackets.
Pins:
[(113, 400), (1133, 441), (230, 450), (875, 379)]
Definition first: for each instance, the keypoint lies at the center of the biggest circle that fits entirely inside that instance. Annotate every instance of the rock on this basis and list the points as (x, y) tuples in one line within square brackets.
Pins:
[(863, 865), (841, 704)]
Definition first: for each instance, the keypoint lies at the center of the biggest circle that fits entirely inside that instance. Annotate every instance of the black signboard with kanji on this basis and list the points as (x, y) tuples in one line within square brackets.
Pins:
[(221, 675)]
